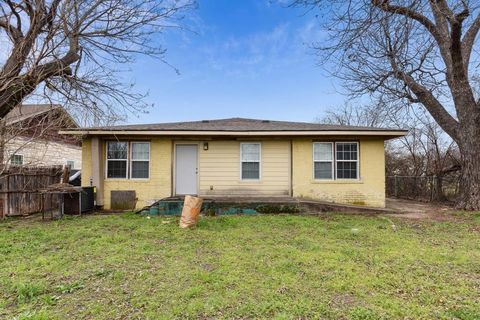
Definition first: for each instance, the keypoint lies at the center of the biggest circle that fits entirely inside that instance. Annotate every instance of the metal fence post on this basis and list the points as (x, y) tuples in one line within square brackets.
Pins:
[(396, 187), (433, 187)]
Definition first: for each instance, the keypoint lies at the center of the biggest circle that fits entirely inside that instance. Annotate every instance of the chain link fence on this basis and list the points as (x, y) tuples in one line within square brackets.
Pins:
[(425, 188)]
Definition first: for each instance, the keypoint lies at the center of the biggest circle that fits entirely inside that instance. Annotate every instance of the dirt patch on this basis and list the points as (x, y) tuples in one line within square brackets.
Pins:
[(420, 210), (343, 301), (475, 229)]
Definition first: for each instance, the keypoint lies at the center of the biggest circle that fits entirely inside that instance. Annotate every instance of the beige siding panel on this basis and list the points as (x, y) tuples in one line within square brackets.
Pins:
[(219, 168)]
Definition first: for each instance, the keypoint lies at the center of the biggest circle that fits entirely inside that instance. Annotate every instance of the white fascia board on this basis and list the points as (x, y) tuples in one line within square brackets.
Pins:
[(233, 133)]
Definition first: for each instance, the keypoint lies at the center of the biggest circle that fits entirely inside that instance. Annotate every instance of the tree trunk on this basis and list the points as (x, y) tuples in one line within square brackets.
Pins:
[(3, 130), (469, 195)]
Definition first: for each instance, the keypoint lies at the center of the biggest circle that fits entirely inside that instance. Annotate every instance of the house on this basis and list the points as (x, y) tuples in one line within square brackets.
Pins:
[(236, 157), (31, 137)]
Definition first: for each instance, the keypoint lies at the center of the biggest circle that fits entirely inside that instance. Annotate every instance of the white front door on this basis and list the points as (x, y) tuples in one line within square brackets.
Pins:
[(186, 169)]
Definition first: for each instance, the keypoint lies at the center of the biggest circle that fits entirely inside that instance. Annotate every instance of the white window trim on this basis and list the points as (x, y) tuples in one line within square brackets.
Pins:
[(357, 161), (17, 154), (131, 159), (106, 162), (259, 161), (331, 161)]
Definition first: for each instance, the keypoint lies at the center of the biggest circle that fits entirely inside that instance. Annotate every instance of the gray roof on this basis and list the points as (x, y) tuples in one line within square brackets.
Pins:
[(26, 111), (236, 125)]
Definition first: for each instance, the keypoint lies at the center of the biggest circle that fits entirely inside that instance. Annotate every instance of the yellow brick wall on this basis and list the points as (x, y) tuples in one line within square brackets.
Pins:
[(156, 187), (220, 167), (369, 190)]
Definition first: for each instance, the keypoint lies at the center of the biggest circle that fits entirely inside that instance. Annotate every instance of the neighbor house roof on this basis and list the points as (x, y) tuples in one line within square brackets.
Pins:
[(27, 111), (235, 126)]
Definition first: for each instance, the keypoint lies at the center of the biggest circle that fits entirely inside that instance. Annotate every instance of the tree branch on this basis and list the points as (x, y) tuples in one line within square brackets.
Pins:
[(14, 33), (431, 103), (409, 13), (468, 41)]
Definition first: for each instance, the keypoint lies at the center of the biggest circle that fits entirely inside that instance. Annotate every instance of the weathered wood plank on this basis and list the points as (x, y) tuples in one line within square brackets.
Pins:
[(19, 189)]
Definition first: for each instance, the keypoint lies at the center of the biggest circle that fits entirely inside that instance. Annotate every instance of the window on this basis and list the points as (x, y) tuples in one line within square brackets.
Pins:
[(70, 164), (140, 160), (117, 158), (323, 160), (250, 161), (128, 159), (338, 157), (17, 160), (347, 160)]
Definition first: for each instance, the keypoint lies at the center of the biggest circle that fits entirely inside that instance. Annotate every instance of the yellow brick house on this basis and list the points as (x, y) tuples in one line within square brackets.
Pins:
[(236, 158)]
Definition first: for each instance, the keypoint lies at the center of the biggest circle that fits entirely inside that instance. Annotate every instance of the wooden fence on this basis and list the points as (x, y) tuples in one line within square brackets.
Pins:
[(19, 187)]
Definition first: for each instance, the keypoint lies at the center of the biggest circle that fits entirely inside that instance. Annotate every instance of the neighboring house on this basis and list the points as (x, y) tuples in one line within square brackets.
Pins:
[(31, 137), (237, 157)]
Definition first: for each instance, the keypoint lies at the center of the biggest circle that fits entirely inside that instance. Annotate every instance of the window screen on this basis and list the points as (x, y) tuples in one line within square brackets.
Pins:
[(117, 158), (323, 160), (250, 161), (140, 160)]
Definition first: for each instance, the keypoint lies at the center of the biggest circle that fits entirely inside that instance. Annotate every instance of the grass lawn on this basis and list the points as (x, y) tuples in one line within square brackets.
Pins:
[(264, 266)]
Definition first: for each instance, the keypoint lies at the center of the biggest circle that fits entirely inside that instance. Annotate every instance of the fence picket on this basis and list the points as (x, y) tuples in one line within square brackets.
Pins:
[(19, 187)]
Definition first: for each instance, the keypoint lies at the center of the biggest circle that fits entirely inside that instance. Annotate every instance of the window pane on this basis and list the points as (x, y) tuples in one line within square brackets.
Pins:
[(250, 152), (117, 169), (250, 170), (347, 151), (323, 170), (140, 151), (117, 150), (17, 159), (140, 169), (347, 170), (322, 151)]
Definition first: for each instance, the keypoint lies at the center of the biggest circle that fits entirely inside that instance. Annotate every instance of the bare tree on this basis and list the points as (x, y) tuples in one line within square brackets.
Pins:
[(71, 51), (356, 115), (425, 152), (416, 51)]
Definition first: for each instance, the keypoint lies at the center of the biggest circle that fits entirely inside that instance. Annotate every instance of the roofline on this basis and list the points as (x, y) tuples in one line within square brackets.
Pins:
[(390, 133), (35, 114)]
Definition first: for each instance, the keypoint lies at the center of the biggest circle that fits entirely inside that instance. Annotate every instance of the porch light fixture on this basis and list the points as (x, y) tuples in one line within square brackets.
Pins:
[(205, 146)]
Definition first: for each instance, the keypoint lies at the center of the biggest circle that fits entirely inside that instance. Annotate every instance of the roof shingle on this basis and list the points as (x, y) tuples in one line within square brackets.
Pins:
[(236, 125)]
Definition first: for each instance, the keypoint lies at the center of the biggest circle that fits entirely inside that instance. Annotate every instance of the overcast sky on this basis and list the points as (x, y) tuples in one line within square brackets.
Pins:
[(246, 58)]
